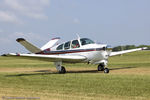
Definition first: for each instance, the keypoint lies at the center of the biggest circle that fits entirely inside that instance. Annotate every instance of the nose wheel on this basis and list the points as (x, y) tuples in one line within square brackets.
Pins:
[(106, 70)]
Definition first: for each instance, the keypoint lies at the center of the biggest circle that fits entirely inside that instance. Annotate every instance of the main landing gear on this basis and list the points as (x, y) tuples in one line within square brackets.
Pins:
[(61, 69), (101, 67)]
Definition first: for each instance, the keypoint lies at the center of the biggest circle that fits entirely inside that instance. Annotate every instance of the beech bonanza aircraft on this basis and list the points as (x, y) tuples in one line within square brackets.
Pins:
[(81, 50)]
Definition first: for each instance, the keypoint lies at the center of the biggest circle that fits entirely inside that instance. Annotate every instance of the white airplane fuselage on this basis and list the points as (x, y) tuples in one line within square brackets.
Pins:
[(81, 50), (94, 53)]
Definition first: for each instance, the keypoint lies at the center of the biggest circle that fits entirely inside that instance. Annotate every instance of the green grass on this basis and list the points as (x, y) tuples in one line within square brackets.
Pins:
[(78, 85)]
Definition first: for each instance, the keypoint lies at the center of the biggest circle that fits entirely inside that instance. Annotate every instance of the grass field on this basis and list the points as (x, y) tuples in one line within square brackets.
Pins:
[(129, 79)]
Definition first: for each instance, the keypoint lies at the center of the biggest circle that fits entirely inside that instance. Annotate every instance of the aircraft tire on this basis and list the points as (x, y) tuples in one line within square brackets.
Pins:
[(106, 70), (63, 70), (100, 67)]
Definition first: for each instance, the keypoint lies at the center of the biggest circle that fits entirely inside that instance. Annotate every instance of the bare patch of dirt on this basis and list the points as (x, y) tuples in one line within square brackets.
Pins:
[(136, 71)]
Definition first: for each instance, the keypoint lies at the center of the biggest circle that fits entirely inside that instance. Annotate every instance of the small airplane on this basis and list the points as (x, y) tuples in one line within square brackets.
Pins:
[(80, 50)]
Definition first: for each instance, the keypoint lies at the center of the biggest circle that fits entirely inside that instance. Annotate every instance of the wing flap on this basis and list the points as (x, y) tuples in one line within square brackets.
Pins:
[(51, 58)]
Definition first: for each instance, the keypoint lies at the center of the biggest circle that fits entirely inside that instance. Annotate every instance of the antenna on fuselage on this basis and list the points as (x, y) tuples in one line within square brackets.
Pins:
[(78, 36)]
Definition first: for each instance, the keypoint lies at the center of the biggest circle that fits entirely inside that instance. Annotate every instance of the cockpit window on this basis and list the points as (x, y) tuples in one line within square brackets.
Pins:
[(85, 41), (60, 47), (67, 45), (75, 44)]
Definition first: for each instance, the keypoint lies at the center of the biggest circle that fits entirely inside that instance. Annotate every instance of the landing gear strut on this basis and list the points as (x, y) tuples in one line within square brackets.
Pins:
[(101, 67)]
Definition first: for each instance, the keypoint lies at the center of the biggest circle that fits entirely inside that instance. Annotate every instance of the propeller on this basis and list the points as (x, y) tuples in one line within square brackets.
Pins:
[(108, 49)]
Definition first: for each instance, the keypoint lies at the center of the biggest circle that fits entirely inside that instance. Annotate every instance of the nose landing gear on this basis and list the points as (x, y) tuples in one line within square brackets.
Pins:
[(106, 70), (101, 68)]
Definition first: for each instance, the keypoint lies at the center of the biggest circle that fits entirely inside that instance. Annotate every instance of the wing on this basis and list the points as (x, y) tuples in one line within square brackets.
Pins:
[(126, 51), (51, 58)]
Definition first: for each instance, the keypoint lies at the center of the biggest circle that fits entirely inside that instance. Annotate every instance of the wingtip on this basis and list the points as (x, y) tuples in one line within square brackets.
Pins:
[(144, 48), (4, 55), (20, 39)]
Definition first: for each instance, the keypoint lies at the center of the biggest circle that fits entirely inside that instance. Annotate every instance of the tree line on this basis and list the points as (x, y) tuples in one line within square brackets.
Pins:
[(127, 47)]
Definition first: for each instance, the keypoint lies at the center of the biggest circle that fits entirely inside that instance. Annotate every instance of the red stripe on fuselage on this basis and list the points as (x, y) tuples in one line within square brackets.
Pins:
[(66, 51)]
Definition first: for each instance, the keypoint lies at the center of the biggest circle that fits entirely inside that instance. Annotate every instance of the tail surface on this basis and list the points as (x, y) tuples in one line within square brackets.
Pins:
[(28, 46), (51, 43)]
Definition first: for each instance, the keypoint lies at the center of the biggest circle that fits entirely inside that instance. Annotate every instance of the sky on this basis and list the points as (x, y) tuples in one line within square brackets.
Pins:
[(112, 22)]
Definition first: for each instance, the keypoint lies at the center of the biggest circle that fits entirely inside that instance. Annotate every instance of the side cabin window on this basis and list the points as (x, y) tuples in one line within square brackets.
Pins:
[(60, 47), (85, 41), (67, 45), (75, 44)]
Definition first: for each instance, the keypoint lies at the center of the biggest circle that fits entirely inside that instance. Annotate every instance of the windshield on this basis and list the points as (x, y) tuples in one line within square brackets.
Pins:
[(85, 41)]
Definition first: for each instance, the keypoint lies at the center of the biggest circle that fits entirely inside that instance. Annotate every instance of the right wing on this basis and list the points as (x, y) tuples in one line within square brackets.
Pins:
[(126, 51), (50, 58)]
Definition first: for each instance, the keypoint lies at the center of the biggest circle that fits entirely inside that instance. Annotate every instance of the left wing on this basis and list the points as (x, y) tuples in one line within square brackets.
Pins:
[(126, 51), (52, 58)]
